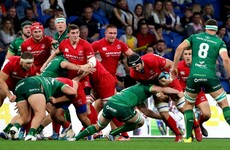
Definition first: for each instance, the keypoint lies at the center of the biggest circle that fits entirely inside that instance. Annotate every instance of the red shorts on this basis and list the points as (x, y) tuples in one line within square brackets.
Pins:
[(200, 98), (105, 86)]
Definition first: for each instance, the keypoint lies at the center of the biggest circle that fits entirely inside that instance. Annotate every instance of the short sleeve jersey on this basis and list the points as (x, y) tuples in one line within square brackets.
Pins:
[(205, 50), (78, 55), (183, 73), (40, 50), (13, 69), (153, 66), (132, 96), (110, 53), (53, 69), (15, 46)]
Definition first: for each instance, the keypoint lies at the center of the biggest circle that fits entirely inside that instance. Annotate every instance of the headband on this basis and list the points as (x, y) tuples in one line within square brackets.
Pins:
[(133, 60), (60, 20), (26, 23), (27, 60), (211, 27)]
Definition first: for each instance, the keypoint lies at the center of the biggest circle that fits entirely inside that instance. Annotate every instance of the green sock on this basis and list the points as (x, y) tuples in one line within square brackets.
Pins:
[(17, 125), (189, 121), (7, 128), (226, 111), (88, 131), (32, 131), (40, 128), (124, 128)]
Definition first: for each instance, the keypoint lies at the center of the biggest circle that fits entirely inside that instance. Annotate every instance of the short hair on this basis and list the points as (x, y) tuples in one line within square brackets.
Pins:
[(72, 27), (111, 26), (27, 55), (211, 22), (161, 41)]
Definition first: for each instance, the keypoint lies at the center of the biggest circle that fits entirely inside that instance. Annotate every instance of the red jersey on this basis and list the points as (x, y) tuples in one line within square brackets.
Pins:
[(145, 40), (81, 98), (100, 72), (183, 73), (110, 53), (153, 66), (13, 69), (78, 55), (40, 50)]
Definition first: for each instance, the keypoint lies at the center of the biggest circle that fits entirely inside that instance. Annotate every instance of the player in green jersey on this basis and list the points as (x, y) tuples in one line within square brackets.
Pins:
[(15, 46), (122, 106), (32, 94), (206, 47)]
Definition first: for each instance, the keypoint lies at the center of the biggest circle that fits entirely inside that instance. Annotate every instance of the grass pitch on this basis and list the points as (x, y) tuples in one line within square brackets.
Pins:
[(104, 144)]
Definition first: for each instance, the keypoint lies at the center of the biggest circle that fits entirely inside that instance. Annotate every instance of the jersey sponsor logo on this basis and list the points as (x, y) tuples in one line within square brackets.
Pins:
[(104, 48), (182, 72), (29, 48), (14, 73), (19, 85), (118, 46), (200, 80), (217, 86), (201, 65), (112, 54), (43, 46), (111, 109), (34, 90), (66, 50)]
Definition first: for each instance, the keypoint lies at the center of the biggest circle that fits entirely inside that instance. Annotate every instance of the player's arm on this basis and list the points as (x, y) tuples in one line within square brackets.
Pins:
[(226, 61), (177, 56), (129, 52), (4, 86), (147, 112), (9, 54), (54, 54), (165, 90)]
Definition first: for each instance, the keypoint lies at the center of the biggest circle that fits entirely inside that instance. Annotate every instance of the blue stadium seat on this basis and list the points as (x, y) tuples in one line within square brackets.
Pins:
[(167, 39), (102, 33), (225, 84), (70, 19)]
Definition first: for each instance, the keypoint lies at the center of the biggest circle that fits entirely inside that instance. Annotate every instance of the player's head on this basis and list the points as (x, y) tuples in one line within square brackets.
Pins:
[(27, 60), (111, 33), (60, 23), (135, 62), (211, 25), (187, 56), (73, 32), (37, 31), (25, 27)]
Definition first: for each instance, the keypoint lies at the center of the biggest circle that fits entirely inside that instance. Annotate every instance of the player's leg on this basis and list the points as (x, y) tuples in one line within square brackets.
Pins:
[(2, 97)]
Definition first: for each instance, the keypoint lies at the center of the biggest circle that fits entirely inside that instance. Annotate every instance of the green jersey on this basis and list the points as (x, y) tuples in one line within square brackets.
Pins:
[(37, 84), (15, 46), (132, 96), (62, 37), (205, 50), (53, 69)]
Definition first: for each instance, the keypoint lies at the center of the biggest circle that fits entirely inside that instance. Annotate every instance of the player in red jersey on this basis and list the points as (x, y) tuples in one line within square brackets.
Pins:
[(13, 70), (146, 69), (109, 50), (201, 100), (39, 45)]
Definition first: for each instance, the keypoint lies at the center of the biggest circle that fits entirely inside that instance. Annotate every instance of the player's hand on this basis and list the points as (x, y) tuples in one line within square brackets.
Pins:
[(165, 82), (12, 98), (174, 73)]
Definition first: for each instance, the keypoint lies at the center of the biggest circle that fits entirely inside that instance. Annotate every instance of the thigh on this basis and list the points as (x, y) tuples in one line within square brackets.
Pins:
[(37, 102), (24, 108)]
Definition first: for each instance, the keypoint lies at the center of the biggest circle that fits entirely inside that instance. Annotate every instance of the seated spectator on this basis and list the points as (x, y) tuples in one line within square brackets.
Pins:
[(50, 28), (29, 15), (172, 21), (88, 20), (208, 12), (12, 15), (107, 8), (158, 13), (149, 49), (2, 53), (20, 6), (161, 48), (99, 14), (187, 18), (133, 3), (147, 12), (145, 37), (196, 26), (84, 32), (222, 34), (128, 38), (48, 7), (57, 11), (121, 17), (138, 15), (7, 33)]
